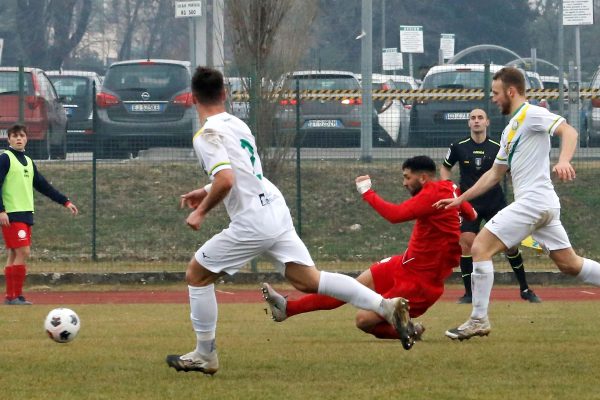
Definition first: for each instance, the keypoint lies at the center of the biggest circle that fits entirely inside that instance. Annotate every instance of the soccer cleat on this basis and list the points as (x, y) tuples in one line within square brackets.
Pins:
[(17, 301), (473, 327), (530, 296), (396, 313), (194, 362), (419, 329), (277, 303), (465, 299)]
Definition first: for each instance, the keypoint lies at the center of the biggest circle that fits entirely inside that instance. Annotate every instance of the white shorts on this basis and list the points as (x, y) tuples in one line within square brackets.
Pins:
[(228, 251), (515, 222)]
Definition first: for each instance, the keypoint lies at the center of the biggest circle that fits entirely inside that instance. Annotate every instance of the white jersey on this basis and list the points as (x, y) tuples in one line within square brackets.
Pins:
[(255, 206), (525, 148)]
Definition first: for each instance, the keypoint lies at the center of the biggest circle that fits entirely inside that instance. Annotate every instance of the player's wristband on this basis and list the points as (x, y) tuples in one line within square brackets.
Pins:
[(363, 186), (207, 187)]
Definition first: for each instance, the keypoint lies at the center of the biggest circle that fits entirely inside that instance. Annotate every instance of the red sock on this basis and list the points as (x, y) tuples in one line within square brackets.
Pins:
[(383, 330), (19, 272), (312, 302), (9, 278)]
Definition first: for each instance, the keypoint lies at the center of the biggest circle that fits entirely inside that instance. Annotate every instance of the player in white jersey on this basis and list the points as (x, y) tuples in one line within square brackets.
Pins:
[(261, 224), (525, 149)]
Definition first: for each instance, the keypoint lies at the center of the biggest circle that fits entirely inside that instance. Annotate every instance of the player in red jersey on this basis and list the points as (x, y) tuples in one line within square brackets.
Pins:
[(419, 273)]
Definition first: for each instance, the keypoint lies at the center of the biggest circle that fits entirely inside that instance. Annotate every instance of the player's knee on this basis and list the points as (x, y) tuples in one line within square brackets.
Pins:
[(197, 275), (363, 323), (567, 261)]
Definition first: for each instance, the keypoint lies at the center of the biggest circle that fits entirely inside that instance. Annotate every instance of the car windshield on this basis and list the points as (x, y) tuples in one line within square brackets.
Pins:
[(147, 76), (454, 80), (322, 82), (9, 82), (70, 86)]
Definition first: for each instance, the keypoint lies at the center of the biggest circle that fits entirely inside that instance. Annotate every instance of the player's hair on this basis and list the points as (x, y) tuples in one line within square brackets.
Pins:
[(511, 76), (207, 85), (420, 164), (16, 128)]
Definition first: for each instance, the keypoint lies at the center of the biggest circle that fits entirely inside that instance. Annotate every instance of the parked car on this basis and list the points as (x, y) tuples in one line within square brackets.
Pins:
[(393, 116), (591, 111), (536, 83), (144, 103), (240, 109), (437, 123), (43, 113), (325, 123), (551, 82), (76, 90)]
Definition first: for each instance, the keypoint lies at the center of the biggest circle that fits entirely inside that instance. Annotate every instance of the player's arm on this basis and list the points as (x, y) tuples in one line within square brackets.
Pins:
[(221, 185), (568, 136), (4, 167), (483, 184), (445, 172)]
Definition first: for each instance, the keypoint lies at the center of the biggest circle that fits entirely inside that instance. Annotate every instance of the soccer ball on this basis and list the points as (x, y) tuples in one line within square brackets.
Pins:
[(62, 325)]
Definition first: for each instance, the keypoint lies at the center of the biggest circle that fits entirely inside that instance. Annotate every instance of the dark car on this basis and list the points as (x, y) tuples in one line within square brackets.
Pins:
[(42, 112), (437, 123), (329, 122), (144, 103), (76, 90)]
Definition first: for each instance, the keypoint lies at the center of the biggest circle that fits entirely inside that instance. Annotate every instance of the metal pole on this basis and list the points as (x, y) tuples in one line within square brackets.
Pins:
[(487, 88), (95, 144), (382, 31), (410, 65), (21, 93), (561, 60), (366, 117), (534, 58), (578, 54), (298, 170)]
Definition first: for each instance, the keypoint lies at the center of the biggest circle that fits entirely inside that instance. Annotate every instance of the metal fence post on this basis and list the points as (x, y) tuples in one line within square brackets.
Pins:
[(298, 170), (487, 88), (21, 92), (95, 144)]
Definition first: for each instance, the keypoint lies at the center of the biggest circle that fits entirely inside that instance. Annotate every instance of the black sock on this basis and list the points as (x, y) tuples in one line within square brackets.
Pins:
[(516, 262), (466, 269)]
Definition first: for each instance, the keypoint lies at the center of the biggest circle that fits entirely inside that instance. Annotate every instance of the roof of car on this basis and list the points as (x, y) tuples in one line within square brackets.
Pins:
[(152, 60), (551, 78), (455, 67), (14, 69), (322, 72), (71, 73)]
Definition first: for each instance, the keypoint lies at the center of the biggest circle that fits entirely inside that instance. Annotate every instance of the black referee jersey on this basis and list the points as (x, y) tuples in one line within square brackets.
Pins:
[(475, 159)]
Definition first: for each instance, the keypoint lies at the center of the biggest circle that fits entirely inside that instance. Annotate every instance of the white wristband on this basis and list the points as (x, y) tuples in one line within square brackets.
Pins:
[(363, 186), (207, 187)]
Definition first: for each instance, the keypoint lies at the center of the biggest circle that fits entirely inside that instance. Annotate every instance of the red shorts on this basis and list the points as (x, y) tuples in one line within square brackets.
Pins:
[(17, 234), (391, 279)]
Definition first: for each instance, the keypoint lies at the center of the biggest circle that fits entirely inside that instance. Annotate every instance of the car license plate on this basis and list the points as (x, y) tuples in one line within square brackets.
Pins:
[(456, 116), (323, 123), (145, 107), (3, 133)]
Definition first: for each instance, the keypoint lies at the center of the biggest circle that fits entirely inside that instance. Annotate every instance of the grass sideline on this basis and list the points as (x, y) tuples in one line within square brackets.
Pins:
[(534, 351)]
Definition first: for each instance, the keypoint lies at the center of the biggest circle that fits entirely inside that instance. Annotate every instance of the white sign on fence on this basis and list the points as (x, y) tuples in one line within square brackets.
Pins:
[(411, 39), (447, 45), (392, 60), (188, 9), (578, 12)]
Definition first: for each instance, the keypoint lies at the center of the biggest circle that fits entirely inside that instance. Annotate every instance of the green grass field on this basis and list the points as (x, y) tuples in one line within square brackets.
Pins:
[(544, 351)]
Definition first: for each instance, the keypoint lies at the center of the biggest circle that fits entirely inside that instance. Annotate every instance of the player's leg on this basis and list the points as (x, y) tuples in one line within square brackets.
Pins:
[(282, 308), (20, 273), (17, 237), (299, 270), (484, 247), (515, 259), (9, 278), (466, 260)]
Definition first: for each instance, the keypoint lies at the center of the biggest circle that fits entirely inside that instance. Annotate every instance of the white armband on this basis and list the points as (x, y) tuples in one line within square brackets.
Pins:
[(363, 186), (207, 187)]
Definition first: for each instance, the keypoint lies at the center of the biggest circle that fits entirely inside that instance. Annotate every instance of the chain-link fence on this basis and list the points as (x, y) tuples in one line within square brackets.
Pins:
[(119, 146)]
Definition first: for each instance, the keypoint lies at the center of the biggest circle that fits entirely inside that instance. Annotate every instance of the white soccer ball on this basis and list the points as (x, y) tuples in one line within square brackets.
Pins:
[(62, 325)]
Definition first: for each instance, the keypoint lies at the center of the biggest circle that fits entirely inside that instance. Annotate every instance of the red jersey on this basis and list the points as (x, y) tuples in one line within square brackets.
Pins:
[(434, 239)]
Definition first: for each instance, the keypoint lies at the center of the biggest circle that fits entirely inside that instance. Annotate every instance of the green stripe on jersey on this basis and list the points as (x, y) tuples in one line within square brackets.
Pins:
[(218, 165)]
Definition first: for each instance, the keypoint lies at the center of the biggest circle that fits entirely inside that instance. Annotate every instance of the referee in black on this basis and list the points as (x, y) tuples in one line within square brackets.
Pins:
[(475, 155)]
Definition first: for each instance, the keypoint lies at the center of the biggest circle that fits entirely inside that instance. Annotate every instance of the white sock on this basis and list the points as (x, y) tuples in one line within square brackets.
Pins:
[(204, 312), (590, 272), (349, 290), (482, 280)]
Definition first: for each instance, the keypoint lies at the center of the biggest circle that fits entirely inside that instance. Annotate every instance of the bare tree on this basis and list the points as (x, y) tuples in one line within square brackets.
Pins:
[(49, 30), (268, 38)]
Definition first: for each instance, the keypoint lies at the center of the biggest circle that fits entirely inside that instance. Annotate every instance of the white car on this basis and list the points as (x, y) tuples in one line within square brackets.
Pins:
[(394, 115), (240, 109)]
